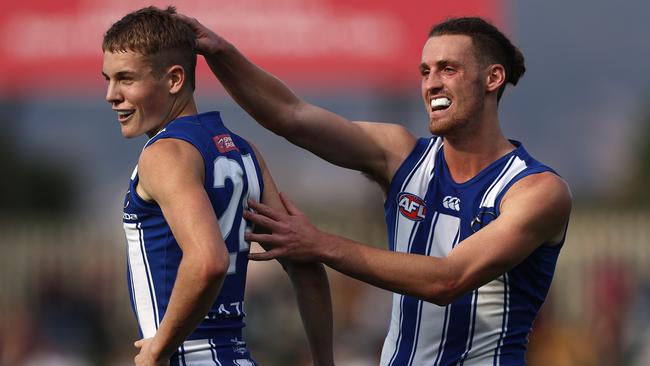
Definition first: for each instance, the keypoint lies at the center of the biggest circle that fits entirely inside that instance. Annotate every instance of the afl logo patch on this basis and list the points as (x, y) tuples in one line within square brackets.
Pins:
[(224, 143), (411, 206)]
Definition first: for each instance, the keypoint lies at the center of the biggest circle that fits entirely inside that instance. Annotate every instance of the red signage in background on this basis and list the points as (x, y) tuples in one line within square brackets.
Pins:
[(52, 47)]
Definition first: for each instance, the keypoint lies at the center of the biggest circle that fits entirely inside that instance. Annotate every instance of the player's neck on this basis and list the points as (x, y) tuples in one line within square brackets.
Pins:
[(183, 106), (468, 153)]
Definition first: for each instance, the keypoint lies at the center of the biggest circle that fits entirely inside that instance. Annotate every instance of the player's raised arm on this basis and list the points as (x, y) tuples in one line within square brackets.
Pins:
[(310, 283), (171, 174), (373, 148)]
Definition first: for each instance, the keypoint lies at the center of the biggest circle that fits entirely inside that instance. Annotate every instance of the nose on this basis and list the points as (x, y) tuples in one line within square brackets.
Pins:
[(113, 95), (432, 82)]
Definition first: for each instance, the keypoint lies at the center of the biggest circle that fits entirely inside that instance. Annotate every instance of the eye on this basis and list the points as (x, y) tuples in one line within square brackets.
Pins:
[(448, 70), (424, 72)]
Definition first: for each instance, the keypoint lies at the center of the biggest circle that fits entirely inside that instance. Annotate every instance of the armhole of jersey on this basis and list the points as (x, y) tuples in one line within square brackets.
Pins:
[(258, 169), (151, 206), (518, 177), (406, 166), (138, 201)]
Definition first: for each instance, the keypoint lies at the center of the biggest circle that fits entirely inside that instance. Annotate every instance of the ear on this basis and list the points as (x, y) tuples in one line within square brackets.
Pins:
[(176, 75), (496, 77)]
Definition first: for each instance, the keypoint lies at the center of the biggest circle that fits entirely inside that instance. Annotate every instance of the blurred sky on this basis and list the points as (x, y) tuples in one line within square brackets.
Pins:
[(578, 109)]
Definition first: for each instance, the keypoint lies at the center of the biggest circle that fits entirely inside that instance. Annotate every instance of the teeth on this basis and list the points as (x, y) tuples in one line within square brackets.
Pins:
[(123, 114), (440, 102)]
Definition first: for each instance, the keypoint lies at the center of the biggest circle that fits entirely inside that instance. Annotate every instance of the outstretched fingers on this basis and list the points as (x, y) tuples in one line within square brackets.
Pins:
[(262, 238), (192, 22), (265, 210), (264, 256), (261, 220)]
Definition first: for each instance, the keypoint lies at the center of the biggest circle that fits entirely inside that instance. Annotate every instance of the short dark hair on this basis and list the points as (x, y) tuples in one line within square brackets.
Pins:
[(491, 45), (163, 39)]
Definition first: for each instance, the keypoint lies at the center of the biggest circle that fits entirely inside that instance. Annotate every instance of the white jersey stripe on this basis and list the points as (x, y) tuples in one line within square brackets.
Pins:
[(253, 194), (152, 290), (182, 355), (404, 231), (487, 191), (215, 357), (143, 291), (470, 331), (504, 327), (421, 303), (443, 337), (428, 344), (490, 306), (515, 168), (128, 267), (200, 352)]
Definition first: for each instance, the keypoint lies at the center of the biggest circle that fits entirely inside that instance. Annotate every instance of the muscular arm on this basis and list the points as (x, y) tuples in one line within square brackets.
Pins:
[(171, 174), (310, 283), (373, 148), (534, 212)]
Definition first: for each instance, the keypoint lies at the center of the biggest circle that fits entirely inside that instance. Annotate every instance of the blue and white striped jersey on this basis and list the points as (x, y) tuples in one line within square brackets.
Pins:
[(428, 213), (232, 175)]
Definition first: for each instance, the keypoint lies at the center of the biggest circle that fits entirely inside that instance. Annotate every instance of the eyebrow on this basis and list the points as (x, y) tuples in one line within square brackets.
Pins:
[(121, 74), (439, 64)]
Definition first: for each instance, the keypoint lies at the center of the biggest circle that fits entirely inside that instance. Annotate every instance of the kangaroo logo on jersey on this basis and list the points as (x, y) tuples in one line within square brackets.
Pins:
[(224, 143), (411, 206), (451, 202)]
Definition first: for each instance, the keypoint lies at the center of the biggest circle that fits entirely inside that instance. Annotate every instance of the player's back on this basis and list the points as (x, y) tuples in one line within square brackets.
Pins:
[(232, 175)]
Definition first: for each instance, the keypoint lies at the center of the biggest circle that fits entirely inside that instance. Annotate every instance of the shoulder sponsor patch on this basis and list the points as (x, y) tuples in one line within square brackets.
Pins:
[(224, 143), (411, 206)]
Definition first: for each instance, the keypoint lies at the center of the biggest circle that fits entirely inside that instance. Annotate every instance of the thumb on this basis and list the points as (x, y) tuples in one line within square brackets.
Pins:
[(138, 343)]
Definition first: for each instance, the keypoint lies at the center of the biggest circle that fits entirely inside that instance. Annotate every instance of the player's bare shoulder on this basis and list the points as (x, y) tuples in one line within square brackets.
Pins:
[(545, 200), (395, 141), (167, 162), (393, 137), (167, 151)]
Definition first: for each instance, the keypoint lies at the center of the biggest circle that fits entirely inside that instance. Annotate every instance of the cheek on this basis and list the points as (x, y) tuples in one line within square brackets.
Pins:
[(152, 100)]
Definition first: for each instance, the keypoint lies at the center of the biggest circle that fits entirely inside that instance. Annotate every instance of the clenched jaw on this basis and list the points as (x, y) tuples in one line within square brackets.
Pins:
[(440, 103)]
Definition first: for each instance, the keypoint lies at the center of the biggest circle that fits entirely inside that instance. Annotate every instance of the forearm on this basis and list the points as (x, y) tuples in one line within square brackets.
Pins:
[(264, 97), (194, 292), (424, 277), (314, 302)]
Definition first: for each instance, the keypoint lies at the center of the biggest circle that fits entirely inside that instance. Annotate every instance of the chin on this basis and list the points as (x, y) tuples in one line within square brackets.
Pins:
[(127, 134), (439, 128)]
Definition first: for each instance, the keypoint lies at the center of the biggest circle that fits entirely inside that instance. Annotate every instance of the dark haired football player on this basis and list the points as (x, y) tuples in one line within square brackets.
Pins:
[(475, 224)]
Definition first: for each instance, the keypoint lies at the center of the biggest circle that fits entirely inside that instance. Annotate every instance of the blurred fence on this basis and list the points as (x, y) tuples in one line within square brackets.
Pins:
[(606, 254)]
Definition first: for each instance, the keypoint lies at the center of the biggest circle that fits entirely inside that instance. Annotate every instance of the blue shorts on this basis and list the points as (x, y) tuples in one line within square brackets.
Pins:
[(206, 352)]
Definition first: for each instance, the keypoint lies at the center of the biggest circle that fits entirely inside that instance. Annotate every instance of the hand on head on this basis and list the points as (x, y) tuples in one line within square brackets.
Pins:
[(207, 42)]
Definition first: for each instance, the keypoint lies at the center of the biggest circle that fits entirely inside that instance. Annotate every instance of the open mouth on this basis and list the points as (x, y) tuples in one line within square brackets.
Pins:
[(123, 115), (438, 104)]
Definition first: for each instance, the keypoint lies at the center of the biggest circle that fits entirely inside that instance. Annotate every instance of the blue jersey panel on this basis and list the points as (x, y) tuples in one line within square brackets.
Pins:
[(232, 176), (428, 213)]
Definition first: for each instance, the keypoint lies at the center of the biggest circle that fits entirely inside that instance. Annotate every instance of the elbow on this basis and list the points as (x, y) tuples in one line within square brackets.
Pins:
[(214, 269), (443, 293), (288, 123)]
